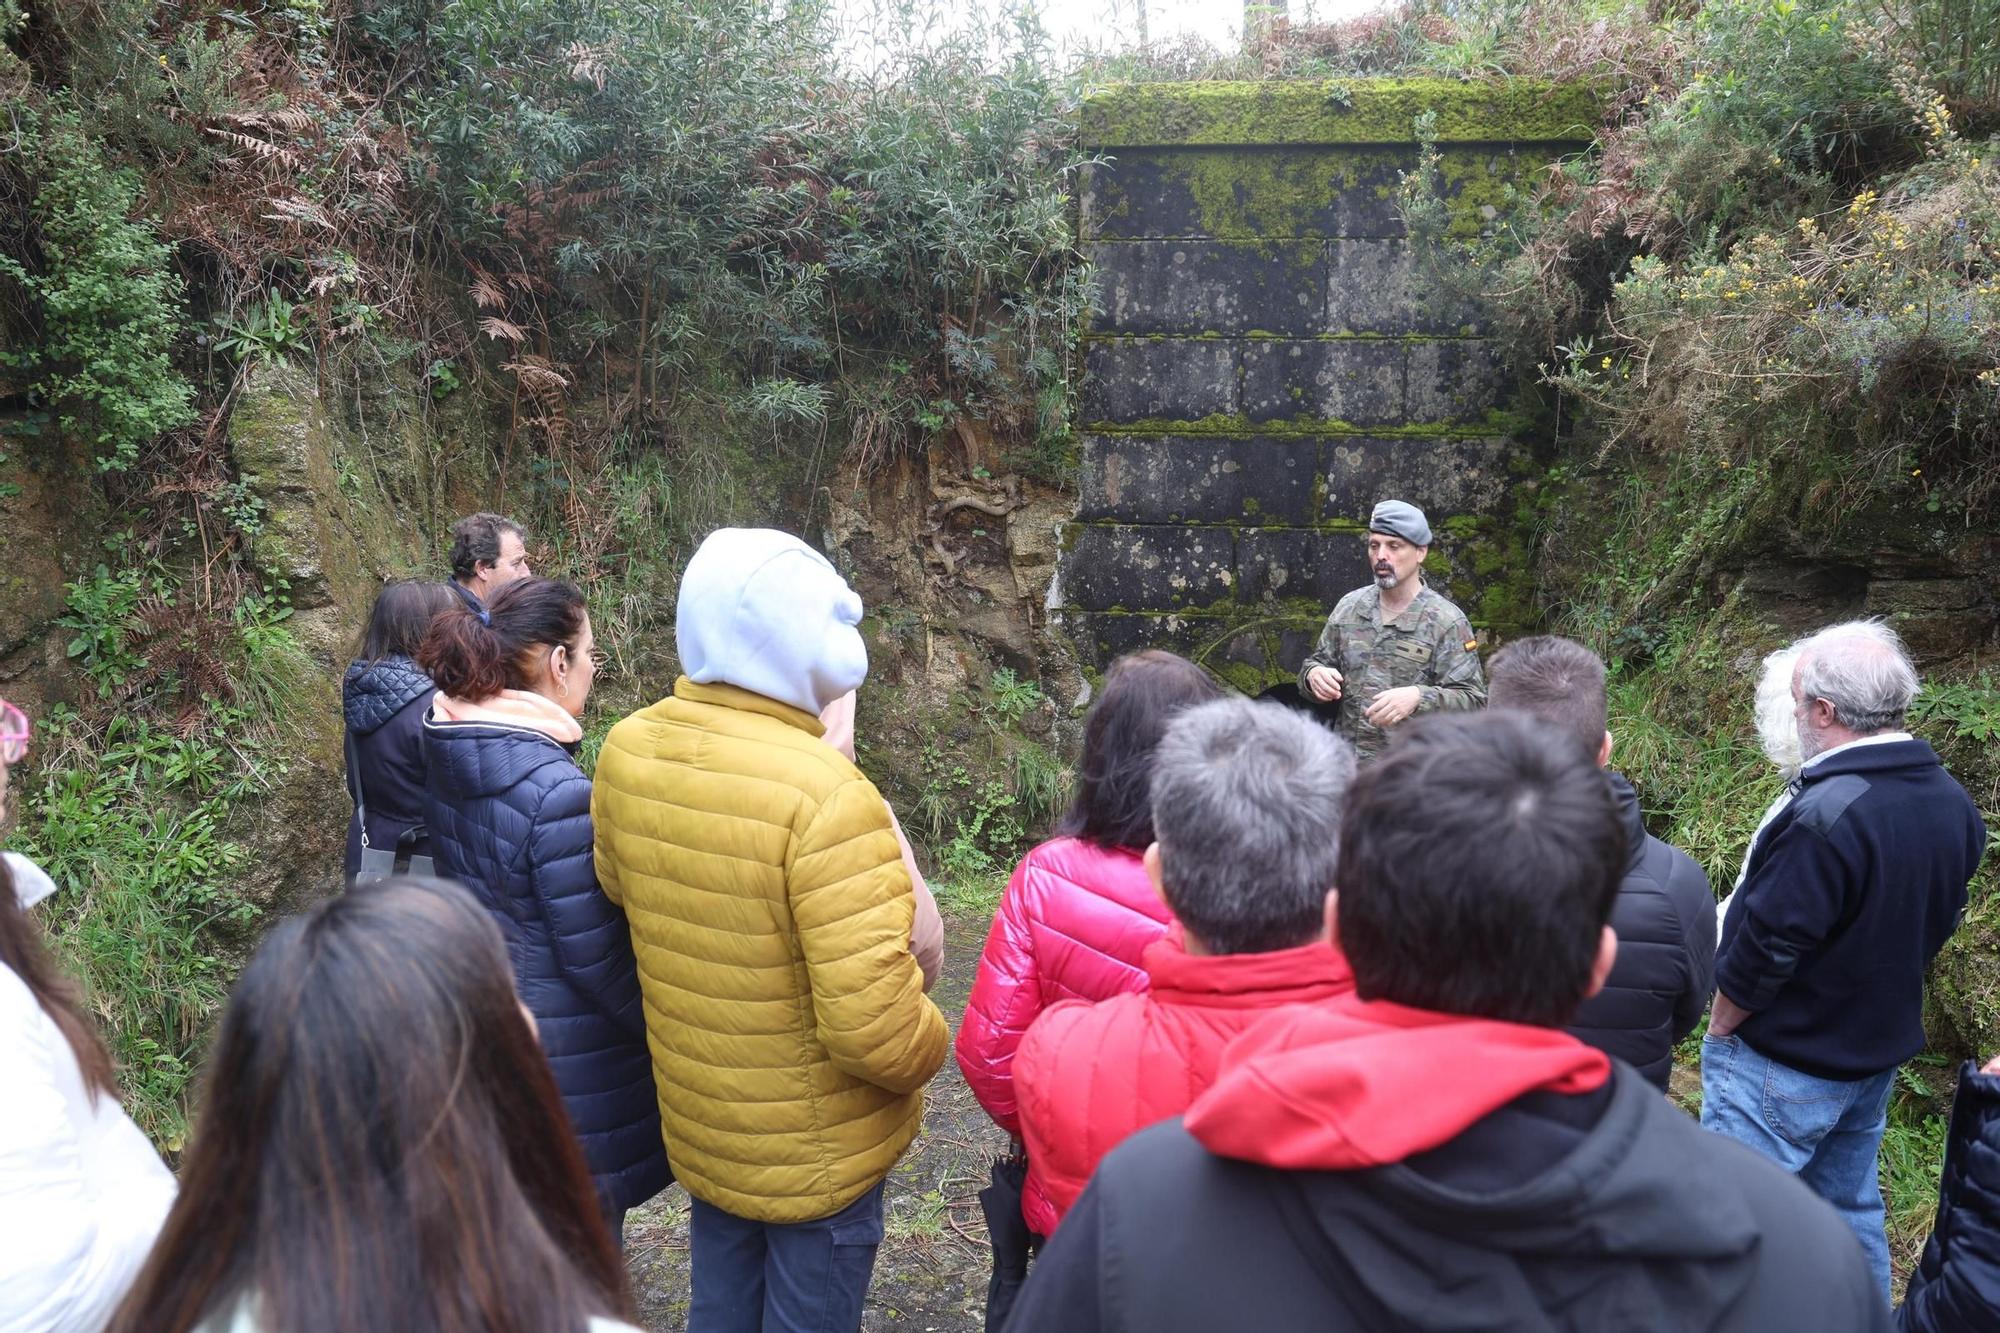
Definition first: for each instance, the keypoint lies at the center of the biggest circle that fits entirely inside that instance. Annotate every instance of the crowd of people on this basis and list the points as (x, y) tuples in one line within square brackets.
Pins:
[(1357, 1012)]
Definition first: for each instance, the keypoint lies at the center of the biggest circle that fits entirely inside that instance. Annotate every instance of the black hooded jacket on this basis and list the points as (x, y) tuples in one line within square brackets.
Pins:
[(1601, 1213), (1665, 971), (384, 703), (1956, 1286)]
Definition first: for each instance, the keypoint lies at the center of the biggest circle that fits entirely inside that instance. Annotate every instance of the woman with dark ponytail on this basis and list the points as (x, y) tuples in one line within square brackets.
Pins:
[(509, 816), (384, 697), (82, 1193)]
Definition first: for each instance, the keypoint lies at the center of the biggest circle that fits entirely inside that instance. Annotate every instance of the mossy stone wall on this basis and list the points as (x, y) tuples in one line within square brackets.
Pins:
[(1268, 359)]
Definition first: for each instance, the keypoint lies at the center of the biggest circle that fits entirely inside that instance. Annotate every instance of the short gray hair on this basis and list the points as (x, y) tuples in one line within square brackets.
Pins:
[(1862, 669), (1247, 800)]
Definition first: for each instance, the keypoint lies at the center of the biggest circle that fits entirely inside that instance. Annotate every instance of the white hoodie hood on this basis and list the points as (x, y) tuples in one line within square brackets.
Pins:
[(761, 610), (31, 883)]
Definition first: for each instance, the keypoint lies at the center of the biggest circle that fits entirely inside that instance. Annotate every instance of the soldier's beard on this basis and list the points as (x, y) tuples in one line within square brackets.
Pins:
[(1385, 577)]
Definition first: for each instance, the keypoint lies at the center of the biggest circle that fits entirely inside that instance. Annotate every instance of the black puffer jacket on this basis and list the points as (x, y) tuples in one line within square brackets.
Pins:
[(1665, 920), (1956, 1287), (510, 819), (384, 703)]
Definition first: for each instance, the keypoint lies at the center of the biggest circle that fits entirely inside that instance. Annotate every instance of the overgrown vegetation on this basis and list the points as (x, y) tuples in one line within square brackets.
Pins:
[(711, 271)]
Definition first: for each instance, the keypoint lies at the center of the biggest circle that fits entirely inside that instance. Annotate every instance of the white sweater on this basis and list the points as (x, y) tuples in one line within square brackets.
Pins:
[(82, 1193)]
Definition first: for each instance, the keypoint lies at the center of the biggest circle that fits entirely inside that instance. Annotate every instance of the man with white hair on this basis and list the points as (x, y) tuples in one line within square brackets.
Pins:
[(1778, 737), (1850, 891)]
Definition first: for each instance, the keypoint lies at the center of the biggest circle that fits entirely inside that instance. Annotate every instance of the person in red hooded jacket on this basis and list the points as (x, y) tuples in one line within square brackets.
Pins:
[(1435, 1152), (1246, 816), (1079, 910)]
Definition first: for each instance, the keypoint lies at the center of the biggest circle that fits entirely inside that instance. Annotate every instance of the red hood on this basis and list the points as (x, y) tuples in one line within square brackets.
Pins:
[(1353, 1084), (1309, 972)]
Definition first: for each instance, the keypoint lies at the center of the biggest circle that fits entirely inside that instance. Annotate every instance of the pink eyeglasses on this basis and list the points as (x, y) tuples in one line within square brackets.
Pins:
[(14, 733)]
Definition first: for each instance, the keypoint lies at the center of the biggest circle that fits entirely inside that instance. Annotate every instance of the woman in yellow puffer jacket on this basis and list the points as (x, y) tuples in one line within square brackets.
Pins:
[(771, 917)]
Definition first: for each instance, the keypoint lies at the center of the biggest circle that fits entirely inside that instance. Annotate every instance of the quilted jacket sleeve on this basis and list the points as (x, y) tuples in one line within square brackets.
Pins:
[(603, 860), (592, 944), (853, 909), (1006, 997), (1957, 1284)]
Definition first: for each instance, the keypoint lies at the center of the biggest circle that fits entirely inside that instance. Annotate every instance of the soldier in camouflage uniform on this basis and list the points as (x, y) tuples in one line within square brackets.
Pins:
[(1395, 647)]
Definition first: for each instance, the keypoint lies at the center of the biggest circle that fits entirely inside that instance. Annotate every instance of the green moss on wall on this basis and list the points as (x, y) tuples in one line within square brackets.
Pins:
[(1491, 423), (1267, 195), (1373, 111)]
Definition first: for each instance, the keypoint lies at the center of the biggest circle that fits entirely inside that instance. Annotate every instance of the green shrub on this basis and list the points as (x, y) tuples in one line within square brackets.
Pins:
[(716, 205), (102, 292)]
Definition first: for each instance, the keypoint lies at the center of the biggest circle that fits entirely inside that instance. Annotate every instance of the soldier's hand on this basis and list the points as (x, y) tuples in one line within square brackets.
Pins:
[(1325, 683), (1392, 706)]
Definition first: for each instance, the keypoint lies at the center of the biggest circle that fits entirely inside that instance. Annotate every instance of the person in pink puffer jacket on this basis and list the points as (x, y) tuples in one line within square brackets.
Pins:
[(1079, 910)]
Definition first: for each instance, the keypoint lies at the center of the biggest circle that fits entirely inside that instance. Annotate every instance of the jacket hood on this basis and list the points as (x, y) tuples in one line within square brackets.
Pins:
[(513, 708), (1307, 973), (31, 883), (761, 610), (473, 759), (373, 692), (1352, 1084), (1631, 817)]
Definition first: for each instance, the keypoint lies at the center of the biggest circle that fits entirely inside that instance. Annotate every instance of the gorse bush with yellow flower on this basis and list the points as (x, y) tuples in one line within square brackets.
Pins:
[(1873, 327), (1781, 260)]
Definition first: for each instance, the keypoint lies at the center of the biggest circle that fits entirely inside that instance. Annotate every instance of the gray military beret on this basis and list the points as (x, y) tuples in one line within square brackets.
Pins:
[(1395, 518)]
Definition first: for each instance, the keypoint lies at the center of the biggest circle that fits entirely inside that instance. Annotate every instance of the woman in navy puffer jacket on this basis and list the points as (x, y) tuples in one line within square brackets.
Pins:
[(1956, 1286), (509, 815), (384, 697)]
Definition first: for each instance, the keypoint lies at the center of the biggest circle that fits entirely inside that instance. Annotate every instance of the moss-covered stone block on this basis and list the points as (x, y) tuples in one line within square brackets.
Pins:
[(1282, 564), (1132, 379), (1357, 380), (1268, 195), (1219, 287), (1155, 567), (1444, 475), (1377, 287), (1199, 478), (1457, 380), (1249, 649), (1262, 195), (1370, 111)]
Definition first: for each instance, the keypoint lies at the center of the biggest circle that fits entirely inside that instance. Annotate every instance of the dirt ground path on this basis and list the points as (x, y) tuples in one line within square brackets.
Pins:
[(930, 1275)]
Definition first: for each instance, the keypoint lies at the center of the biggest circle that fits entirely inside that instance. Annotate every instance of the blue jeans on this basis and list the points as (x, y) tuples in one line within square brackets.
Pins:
[(1825, 1131), (767, 1277)]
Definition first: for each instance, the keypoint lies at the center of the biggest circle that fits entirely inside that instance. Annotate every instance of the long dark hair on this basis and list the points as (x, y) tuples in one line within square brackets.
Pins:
[(401, 617), (381, 1144), (473, 658), (23, 952), (1113, 806)]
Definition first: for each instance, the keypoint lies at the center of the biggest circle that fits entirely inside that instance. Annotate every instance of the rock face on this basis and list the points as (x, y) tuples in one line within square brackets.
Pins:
[(1268, 360)]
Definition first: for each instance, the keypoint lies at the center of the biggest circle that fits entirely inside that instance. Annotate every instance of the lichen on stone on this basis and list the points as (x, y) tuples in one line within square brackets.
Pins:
[(1371, 111)]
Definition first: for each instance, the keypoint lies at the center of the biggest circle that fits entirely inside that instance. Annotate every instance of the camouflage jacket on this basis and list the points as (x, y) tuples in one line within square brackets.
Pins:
[(1430, 645)]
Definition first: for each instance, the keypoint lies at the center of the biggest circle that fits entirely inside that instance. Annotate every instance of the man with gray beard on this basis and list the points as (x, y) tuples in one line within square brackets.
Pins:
[(1852, 888), (1396, 647), (1778, 737)]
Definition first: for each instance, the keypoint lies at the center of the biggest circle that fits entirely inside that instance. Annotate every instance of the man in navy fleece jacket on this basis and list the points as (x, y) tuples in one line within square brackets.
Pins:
[(1850, 892)]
